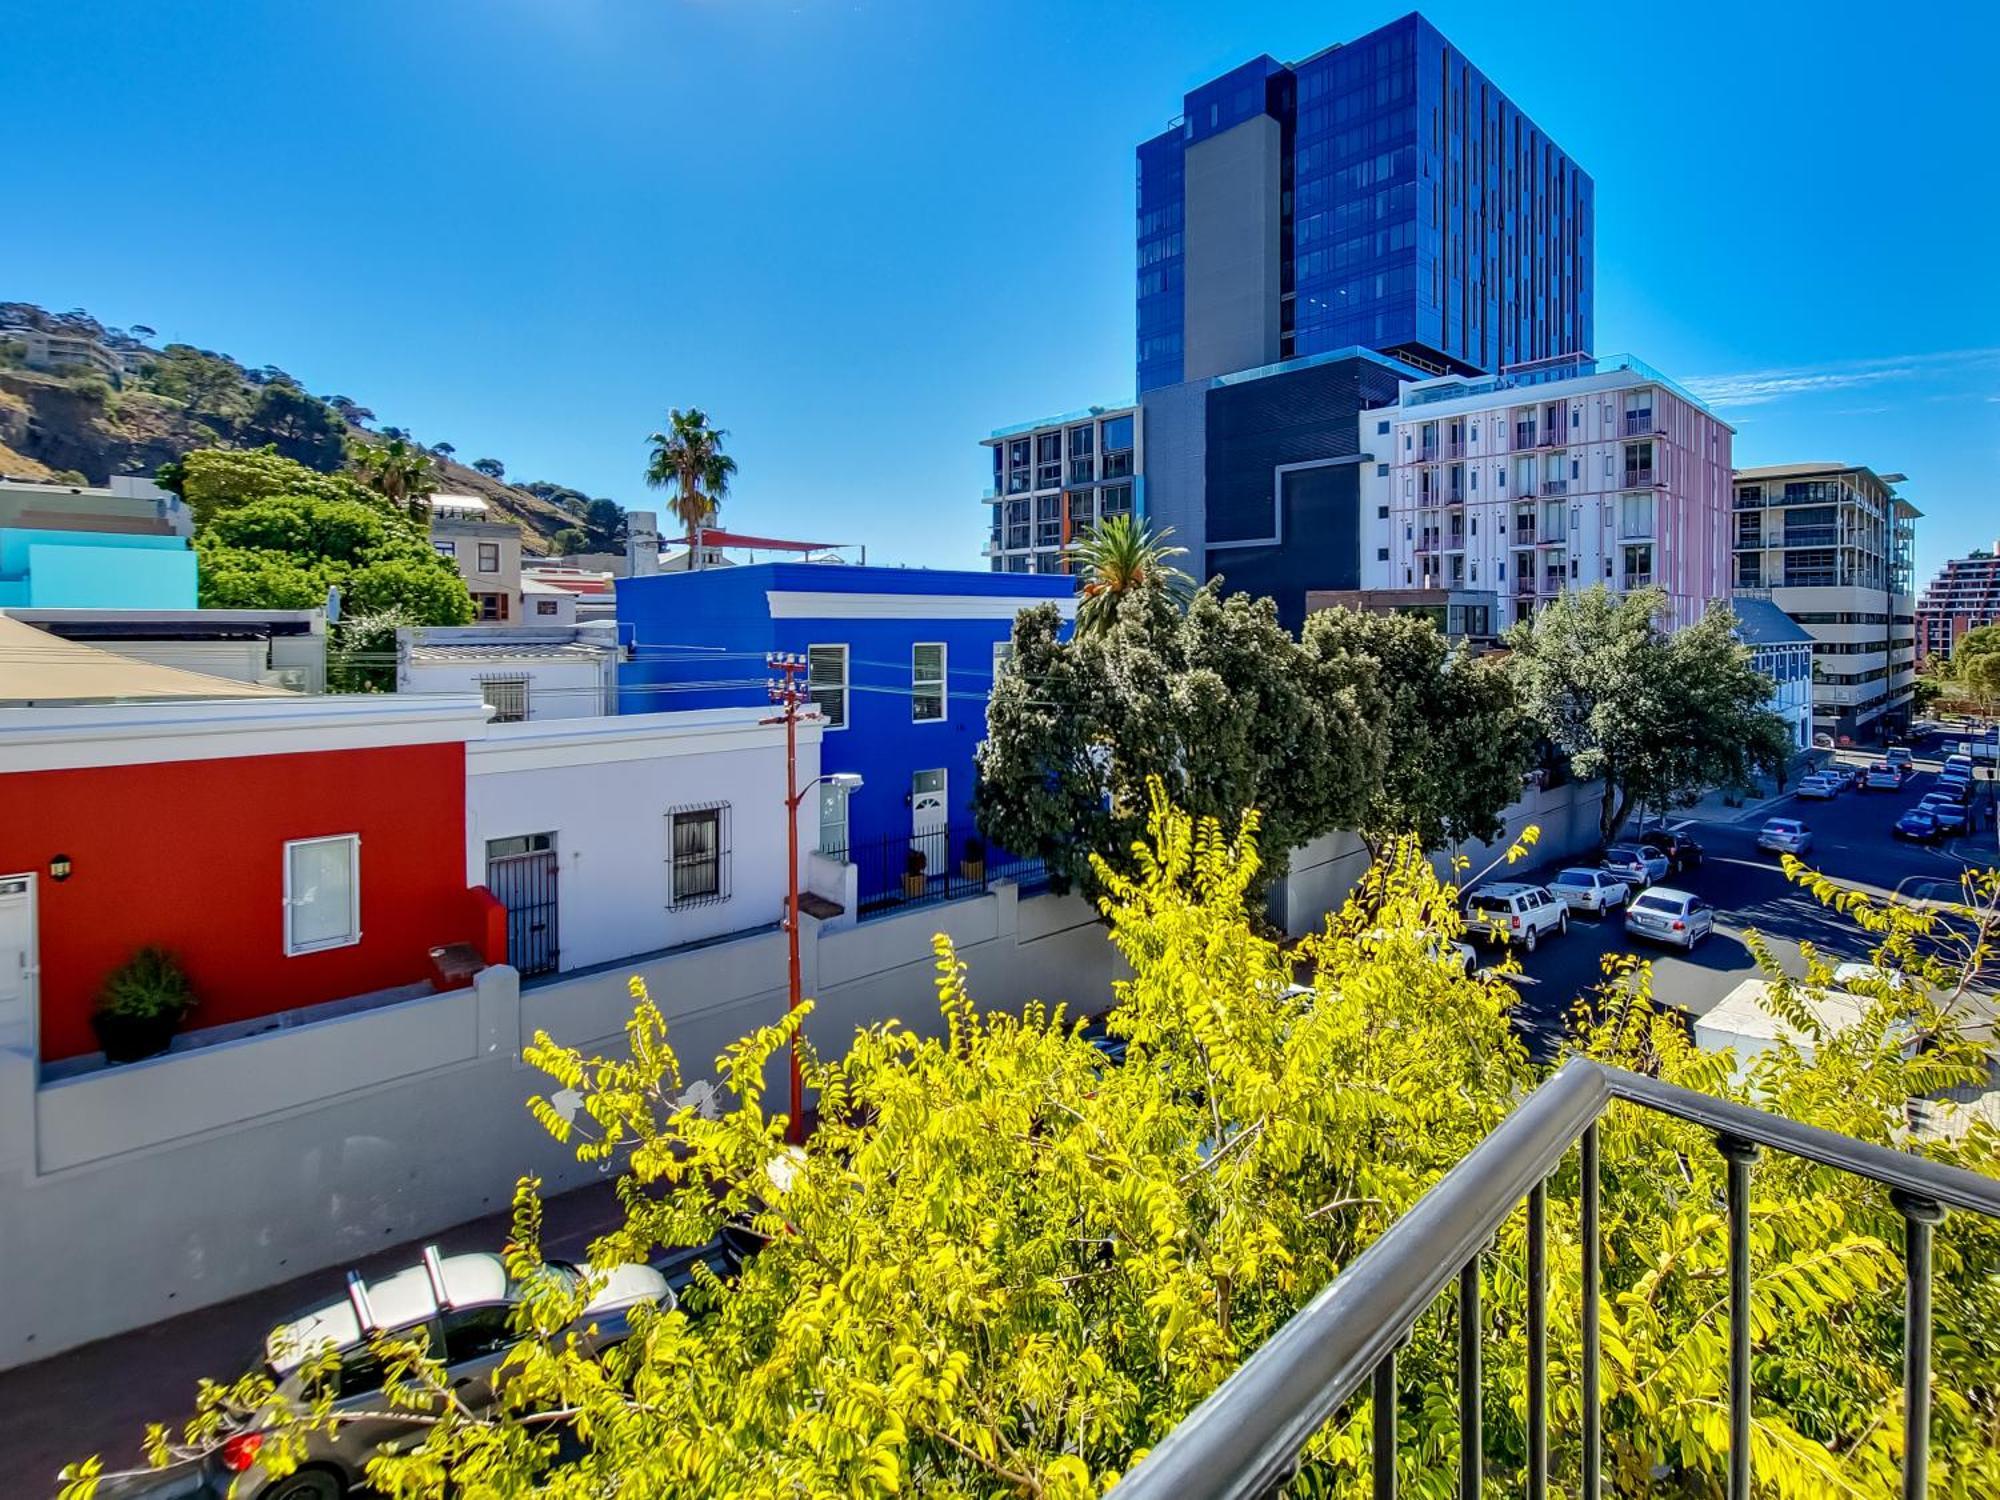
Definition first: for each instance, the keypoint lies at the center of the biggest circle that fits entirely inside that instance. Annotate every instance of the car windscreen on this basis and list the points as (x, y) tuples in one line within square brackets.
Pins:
[(1575, 877), (1663, 904)]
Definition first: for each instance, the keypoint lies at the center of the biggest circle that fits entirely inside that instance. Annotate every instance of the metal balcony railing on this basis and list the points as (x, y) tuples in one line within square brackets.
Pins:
[(1555, 486), (1640, 479), (1638, 424), (1638, 580), (1524, 434), (1244, 1441)]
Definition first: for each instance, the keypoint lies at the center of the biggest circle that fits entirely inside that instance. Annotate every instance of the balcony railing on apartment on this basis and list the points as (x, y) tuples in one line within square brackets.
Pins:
[(1525, 585), (954, 865), (1638, 424), (1810, 536), (1524, 530), (1244, 1442), (1524, 434), (1638, 580), (1555, 486), (1641, 479)]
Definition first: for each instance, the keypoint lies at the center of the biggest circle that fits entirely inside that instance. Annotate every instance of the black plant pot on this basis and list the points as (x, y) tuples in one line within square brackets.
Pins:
[(129, 1038)]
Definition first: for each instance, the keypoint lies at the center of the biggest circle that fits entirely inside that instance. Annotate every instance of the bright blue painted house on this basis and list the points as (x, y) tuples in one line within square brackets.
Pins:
[(900, 664)]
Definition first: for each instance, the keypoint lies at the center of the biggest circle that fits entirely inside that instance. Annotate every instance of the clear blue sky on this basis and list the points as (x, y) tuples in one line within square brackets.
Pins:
[(863, 235)]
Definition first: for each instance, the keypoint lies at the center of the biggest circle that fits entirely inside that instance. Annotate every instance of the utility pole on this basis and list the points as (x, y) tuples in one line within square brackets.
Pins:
[(788, 692)]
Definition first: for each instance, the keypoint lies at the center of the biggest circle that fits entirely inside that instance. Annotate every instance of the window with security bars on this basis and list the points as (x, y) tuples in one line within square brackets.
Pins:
[(927, 682), (507, 697), (826, 682), (698, 855)]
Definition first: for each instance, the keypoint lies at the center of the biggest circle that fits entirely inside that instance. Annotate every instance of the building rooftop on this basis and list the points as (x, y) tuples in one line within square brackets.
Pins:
[(37, 669), (1762, 623), (1082, 414), (1534, 377)]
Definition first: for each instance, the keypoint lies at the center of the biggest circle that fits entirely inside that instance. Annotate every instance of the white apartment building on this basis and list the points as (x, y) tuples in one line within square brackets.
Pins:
[(1057, 478), (1832, 545), (1484, 497)]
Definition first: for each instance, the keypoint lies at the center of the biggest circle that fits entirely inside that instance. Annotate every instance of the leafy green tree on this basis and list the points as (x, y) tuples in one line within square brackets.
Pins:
[(1661, 718), (687, 461), (272, 534), (397, 470), (492, 468), (1979, 679), (568, 540), (302, 427), (1220, 703), (604, 525), (213, 479), (1001, 1266), (209, 385), (362, 654), (1457, 741), (1120, 559), (1981, 640)]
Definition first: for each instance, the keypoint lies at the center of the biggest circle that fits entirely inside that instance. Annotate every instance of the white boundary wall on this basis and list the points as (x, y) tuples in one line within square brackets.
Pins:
[(139, 1192)]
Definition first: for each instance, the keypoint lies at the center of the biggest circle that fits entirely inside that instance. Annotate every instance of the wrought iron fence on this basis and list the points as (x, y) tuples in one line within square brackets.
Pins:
[(1244, 1441), (906, 871)]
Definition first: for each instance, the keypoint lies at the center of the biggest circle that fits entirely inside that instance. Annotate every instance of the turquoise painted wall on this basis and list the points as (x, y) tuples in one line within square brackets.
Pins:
[(94, 570)]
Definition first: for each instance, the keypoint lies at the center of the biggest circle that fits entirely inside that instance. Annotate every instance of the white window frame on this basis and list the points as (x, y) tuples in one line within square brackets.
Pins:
[(917, 684), (292, 903), (845, 689)]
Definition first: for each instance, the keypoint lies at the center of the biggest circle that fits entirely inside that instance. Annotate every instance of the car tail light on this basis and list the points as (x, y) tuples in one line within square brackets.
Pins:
[(241, 1451), (1515, 923), (1679, 926)]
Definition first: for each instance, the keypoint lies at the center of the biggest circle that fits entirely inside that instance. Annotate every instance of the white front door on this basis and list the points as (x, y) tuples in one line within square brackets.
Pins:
[(18, 969), (930, 817)]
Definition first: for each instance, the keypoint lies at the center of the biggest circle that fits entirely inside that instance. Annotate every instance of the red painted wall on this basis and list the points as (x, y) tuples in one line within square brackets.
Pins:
[(190, 855)]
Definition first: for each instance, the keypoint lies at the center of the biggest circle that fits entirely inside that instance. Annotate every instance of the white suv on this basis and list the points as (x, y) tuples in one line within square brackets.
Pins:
[(1507, 912)]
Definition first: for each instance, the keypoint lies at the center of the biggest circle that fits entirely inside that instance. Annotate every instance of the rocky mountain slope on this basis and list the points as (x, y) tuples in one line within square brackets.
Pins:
[(87, 425)]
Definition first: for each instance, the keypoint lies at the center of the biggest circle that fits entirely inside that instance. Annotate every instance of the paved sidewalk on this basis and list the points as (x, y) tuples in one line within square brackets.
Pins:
[(99, 1398)]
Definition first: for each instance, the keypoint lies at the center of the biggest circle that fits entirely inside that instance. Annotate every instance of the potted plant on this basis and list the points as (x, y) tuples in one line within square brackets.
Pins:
[(913, 873), (141, 1006), (972, 860)]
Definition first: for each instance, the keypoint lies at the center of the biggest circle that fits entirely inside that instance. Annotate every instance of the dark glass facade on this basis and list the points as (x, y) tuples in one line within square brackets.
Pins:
[(1423, 214)]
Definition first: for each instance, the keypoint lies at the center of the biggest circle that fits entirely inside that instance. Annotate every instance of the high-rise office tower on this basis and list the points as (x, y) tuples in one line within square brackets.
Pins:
[(1382, 194)]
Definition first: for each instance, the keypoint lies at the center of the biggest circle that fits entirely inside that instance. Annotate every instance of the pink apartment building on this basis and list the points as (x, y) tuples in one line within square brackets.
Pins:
[(1483, 497)]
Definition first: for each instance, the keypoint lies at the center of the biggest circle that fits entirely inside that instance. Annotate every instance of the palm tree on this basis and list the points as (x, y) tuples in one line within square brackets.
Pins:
[(1118, 559), (398, 471), (688, 462)]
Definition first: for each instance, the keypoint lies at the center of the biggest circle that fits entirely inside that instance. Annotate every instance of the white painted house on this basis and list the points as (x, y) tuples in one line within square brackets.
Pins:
[(525, 673), (610, 838)]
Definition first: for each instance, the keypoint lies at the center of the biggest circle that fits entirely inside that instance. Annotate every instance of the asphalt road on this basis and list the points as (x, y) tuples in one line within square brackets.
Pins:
[(1852, 843)]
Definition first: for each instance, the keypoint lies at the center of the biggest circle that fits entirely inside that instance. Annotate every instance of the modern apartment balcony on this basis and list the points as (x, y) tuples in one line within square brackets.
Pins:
[(1635, 531), (1810, 536), (1552, 536), (1245, 1441), (1427, 453), (1554, 582), (1637, 581), (1639, 424), (1524, 586), (1524, 435), (1643, 479), (1524, 533), (1453, 448), (1555, 486)]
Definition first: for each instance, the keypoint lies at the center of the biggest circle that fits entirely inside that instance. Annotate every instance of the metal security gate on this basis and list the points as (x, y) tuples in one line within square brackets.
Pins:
[(526, 885)]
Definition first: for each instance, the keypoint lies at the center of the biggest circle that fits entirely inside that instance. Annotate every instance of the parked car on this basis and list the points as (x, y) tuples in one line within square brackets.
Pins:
[(1901, 757), (1665, 915), (1953, 785), (1590, 890), (1848, 974), (1785, 836), (1961, 763), (1677, 844), (1820, 788), (1848, 777), (1883, 777), (462, 1306), (1952, 815), (1635, 864), (1509, 912), (1919, 827)]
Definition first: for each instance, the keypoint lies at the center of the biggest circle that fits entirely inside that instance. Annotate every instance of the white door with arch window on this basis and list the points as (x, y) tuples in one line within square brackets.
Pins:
[(18, 964), (930, 816)]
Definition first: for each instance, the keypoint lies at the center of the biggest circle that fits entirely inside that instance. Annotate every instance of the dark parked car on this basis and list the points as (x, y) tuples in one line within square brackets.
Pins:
[(1919, 827), (1680, 848)]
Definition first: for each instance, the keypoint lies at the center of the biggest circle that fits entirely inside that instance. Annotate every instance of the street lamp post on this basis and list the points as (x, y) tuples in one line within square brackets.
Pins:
[(789, 693)]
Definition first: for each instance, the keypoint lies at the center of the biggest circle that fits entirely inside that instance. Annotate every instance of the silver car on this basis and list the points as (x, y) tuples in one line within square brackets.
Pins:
[(461, 1306), (1665, 915), (1785, 836), (1590, 890)]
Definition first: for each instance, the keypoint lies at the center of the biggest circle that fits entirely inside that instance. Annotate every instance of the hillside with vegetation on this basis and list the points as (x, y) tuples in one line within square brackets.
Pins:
[(83, 426)]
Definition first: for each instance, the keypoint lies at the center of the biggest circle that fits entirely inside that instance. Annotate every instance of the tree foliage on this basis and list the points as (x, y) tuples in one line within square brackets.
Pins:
[(1002, 1266), (1220, 703), (272, 534), (492, 468), (687, 461), (1457, 742), (1661, 718), (1121, 559), (396, 469)]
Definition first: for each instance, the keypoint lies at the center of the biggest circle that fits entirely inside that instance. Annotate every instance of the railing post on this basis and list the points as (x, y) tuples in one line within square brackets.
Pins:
[(1593, 1414), (1538, 1342), (1740, 1154), (1384, 1436), (1471, 1440), (1920, 1217)]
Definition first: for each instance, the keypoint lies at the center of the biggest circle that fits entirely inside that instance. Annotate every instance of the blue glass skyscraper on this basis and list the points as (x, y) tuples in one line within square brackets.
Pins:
[(1382, 194)]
